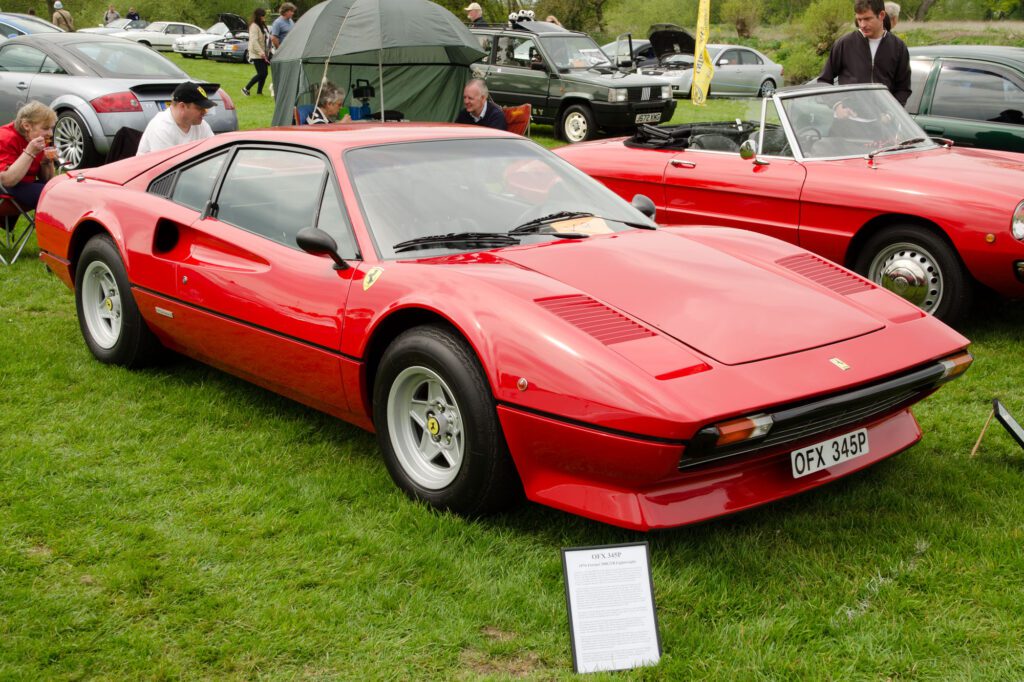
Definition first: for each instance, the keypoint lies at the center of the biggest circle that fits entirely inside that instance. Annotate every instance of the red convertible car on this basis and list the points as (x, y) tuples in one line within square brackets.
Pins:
[(504, 322), (843, 172)]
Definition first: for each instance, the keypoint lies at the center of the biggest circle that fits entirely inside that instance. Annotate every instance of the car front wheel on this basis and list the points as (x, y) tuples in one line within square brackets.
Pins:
[(73, 141), (110, 321), (578, 124), (437, 425), (767, 89), (919, 266)]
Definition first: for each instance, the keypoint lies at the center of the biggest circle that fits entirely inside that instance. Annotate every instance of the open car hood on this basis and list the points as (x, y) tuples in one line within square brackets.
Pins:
[(669, 39), (716, 303), (235, 23)]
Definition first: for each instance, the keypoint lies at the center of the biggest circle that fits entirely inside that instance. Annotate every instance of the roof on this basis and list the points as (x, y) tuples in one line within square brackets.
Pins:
[(350, 135), (1001, 53)]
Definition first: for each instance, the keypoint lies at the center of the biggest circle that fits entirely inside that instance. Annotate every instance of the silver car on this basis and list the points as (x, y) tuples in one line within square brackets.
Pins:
[(97, 84), (739, 70)]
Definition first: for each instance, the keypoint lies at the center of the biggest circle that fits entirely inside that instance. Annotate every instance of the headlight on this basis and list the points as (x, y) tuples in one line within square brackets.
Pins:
[(666, 92), (618, 95), (1017, 224)]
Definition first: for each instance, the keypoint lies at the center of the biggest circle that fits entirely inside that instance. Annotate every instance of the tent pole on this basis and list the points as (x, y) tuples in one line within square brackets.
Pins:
[(380, 75)]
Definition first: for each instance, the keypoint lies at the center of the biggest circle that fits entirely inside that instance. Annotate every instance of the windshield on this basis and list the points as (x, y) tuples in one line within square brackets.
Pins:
[(121, 58), (574, 52), (477, 187), (838, 123), (220, 28)]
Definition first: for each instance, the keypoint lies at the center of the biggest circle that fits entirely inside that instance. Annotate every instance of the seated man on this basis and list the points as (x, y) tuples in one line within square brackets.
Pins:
[(25, 163), (181, 122), (479, 110)]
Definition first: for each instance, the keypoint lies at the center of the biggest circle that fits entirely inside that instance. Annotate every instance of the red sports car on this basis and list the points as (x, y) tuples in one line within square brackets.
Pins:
[(843, 172), (503, 321)]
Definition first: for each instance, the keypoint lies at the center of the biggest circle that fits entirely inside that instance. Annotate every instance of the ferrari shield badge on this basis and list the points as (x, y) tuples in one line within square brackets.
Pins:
[(372, 275), (839, 363)]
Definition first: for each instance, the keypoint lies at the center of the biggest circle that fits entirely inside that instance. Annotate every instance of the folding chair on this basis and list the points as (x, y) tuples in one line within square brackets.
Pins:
[(517, 119), (302, 112), (13, 237)]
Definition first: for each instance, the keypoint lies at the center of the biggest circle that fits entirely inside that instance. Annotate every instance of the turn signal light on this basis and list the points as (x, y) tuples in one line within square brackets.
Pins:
[(956, 365), (744, 428), (116, 103)]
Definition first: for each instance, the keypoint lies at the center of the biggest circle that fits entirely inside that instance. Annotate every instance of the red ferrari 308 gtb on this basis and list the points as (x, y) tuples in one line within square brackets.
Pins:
[(506, 324)]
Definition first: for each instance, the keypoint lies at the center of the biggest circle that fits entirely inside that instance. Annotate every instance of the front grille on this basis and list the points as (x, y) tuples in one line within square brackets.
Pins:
[(643, 94), (795, 423)]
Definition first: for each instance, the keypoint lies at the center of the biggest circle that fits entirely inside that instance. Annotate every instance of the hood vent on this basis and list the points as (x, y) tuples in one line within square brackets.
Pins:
[(594, 318), (825, 273)]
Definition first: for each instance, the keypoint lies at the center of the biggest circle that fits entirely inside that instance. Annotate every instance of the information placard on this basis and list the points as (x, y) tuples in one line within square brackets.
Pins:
[(610, 597)]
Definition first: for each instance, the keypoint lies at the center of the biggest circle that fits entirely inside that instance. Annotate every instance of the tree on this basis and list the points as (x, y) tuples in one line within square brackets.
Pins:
[(826, 20), (745, 15)]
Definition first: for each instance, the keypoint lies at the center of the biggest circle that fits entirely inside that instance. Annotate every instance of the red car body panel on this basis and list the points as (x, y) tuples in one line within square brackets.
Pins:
[(692, 327), (822, 205)]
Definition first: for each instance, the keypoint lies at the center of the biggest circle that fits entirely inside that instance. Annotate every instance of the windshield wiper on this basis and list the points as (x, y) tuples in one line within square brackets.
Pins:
[(905, 144), (533, 226), (462, 238)]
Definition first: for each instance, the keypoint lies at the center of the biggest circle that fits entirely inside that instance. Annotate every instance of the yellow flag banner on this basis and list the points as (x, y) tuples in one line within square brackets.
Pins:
[(702, 68)]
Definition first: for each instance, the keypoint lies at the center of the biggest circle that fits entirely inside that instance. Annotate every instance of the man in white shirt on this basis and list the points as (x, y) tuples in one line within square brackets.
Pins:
[(181, 122)]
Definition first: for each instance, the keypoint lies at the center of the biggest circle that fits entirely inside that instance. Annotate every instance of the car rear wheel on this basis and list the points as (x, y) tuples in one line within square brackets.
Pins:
[(577, 124), (919, 266), (73, 141), (110, 320), (767, 88), (437, 425)]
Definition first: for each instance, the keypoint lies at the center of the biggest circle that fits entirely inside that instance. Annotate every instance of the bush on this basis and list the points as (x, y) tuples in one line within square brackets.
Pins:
[(800, 61), (745, 15), (826, 20)]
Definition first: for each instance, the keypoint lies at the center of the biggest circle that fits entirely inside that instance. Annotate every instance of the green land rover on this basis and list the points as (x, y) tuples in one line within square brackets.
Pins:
[(567, 80)]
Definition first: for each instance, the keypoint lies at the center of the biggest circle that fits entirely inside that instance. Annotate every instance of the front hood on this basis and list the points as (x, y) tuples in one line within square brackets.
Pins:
[(669, 39), (235, 23), (940, 168), (714, 302), (616, 79)]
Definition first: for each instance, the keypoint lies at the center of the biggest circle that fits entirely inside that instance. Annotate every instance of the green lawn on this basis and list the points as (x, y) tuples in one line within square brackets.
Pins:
[(178, 523)]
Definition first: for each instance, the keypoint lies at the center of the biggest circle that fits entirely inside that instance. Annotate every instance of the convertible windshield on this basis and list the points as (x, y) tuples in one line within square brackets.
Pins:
[(574, 52), (449, 196), (836, 123)]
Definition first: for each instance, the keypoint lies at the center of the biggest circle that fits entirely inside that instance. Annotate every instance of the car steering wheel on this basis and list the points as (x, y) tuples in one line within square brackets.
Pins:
[(808, 136)]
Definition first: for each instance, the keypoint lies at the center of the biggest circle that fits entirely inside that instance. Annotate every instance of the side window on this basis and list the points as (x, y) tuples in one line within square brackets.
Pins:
[(919, 70), (486, 42), (514, 51), (730, 57), (980, 93), (332, 220), (189, 30), (50, 66), (774, 142), (8, 31), (195, 183), (272, 192), (749, 58), (21, 59)]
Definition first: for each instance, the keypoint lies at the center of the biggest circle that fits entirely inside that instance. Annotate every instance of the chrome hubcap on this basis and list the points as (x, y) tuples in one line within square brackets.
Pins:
[(911, 272), (67, 137), (425, 425), (101, 305)]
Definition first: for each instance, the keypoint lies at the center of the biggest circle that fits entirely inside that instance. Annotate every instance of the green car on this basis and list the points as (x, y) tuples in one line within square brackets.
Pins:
[(567, 80), (971, 94)]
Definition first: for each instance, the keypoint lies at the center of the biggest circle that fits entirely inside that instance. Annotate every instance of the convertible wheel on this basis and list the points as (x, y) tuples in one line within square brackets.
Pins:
[(577, 124), (919, 266), (110, 321), (73, 142), (437, 425), (767, 88)]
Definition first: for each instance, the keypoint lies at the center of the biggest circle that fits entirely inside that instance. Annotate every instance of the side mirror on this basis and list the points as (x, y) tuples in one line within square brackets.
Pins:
[(643, 203), (748, 150), (317, 242)]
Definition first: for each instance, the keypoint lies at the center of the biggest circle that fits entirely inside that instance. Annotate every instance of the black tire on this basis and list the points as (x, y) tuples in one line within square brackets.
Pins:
[(921, 267), (203, 52), (767, 88), (109, 319), (464, 467), (145, 44), (577, 124), (74, 141)]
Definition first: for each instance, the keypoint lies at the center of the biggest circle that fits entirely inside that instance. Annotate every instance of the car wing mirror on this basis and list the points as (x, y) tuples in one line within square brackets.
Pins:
[(317, 242), (748, 150), (643, 203)]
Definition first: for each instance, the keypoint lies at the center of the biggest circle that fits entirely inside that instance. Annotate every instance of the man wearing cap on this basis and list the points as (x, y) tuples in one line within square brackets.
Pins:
[(181, 122), (62, 17), (476, 14)]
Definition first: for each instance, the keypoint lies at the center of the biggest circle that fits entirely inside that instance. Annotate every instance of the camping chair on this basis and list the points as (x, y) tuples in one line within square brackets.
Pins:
[(124, 145), (302, 112), (13, 238), (517, 119)]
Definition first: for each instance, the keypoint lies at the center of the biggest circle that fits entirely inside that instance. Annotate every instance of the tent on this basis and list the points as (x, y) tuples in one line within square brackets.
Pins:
[(415, 55)]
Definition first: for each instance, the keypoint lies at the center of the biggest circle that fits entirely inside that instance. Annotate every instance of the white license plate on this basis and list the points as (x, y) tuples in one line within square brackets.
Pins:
[(828, 453), (215, 53), (162, 105), (648, 118)]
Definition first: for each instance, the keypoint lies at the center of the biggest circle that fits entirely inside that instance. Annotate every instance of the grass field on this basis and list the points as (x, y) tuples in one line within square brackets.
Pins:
[(178, 523)]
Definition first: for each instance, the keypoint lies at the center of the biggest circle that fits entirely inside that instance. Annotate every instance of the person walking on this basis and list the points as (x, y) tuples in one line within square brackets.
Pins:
[(259, 52), (62, 18), (870, 54)]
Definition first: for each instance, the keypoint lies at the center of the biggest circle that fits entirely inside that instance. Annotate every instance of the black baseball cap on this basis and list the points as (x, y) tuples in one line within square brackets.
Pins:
[(194, 93)]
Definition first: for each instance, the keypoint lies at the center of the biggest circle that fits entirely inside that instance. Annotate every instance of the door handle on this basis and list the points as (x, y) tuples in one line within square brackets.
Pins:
[(934, 129), (676, 163), (22, 85)]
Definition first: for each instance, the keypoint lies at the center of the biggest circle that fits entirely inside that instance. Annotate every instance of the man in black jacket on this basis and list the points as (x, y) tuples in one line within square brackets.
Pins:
[(480, 110), (870, 54)]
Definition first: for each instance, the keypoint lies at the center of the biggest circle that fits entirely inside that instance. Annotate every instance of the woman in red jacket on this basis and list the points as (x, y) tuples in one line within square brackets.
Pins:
[(24, 167)]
